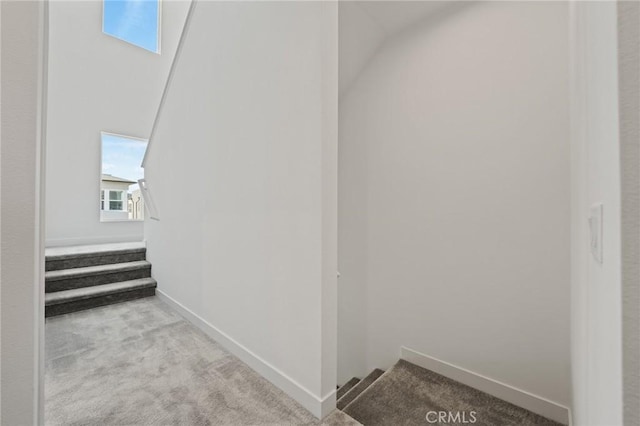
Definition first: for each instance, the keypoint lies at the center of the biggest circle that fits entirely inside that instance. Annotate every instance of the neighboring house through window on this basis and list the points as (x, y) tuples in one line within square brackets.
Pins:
[(120, 196), (115, 198), (114, 193)]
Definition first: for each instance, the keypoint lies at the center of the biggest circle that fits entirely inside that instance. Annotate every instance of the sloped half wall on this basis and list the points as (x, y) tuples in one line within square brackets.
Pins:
[(242, 171)]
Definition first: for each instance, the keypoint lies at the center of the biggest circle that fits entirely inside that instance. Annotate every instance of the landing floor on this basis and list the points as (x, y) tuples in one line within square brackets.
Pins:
[(140, 363)]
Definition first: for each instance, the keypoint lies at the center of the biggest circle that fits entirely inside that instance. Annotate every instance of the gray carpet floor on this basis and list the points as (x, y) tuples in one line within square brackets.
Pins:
[(405, 393), (140, 363)]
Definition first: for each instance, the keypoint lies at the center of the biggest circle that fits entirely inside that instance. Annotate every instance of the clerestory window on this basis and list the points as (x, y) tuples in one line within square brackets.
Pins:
[(134, 21)]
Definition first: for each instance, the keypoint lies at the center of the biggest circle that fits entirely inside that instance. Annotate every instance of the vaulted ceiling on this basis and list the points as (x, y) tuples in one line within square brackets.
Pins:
[(365, 26)]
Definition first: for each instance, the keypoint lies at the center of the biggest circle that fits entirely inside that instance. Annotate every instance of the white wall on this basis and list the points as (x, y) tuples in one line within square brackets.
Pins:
[(365, 25), (454, 198), (596, 288), (360, 37), (97, 83), (247, 136), (22, 283)]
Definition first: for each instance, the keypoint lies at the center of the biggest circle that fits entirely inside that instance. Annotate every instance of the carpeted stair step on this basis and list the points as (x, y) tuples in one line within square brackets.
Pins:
[(68, 279), (63, 302), (347, 387), (58, 258), (356, 390), (406, 393)]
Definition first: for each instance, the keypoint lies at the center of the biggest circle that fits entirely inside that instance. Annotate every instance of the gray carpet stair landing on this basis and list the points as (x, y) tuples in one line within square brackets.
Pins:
[(85, 277), (357, 389), (406, 393)]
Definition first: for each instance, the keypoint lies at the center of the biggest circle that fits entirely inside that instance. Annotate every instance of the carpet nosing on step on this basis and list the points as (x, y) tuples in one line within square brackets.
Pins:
[(58, 257), (99, 290), (355, 388), (367, 388), (88, 271), (347, 386), (58, 251)]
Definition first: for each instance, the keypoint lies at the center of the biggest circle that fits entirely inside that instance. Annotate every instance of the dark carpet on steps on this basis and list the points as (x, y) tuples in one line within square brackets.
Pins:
[(347, 387), (406, 393), (358, 388)]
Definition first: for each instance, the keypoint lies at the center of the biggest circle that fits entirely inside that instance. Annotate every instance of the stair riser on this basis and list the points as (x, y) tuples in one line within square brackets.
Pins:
[(103, 259), (98, 279), (347, 387), (80, 305), (358, 389)]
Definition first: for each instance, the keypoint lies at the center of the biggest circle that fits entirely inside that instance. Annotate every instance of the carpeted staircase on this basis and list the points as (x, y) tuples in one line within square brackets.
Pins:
[(354, 387), (405, 393), (84, 277)]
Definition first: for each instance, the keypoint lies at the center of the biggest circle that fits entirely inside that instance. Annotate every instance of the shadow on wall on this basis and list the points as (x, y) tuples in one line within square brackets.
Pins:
[(366, 27), (454, 197)]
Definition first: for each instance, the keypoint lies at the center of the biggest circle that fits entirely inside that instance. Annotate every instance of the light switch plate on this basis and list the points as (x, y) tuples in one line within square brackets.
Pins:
[(595, 228)]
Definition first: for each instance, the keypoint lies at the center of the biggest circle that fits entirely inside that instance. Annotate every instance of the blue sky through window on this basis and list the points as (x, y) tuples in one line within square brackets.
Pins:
[(135, 21), (122, 156)]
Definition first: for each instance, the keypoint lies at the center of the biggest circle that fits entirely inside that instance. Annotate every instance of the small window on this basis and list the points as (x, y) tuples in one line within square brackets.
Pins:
[(115, 201), (134, 21)]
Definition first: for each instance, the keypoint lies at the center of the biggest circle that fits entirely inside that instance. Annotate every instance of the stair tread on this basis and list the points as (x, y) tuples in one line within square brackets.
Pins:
[(359, 388), (347, 387), (57, 253), (95, 270), (97, 291), (406, 392)]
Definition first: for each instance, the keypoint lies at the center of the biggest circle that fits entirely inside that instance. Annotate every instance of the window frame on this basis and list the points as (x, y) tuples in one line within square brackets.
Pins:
[(106, 200)]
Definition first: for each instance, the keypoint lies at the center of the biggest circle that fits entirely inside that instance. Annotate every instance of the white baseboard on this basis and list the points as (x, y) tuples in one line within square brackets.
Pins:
[(519, 397), (319, 407)]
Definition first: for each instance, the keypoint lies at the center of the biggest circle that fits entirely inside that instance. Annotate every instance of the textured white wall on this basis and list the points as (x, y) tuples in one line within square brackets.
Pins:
[(97, 83), (454, 198), (22, 261), (247, 138), (629, 89)]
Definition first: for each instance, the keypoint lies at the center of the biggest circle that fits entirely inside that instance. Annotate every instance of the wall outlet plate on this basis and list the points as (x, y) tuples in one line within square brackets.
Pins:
[(595, 228)]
